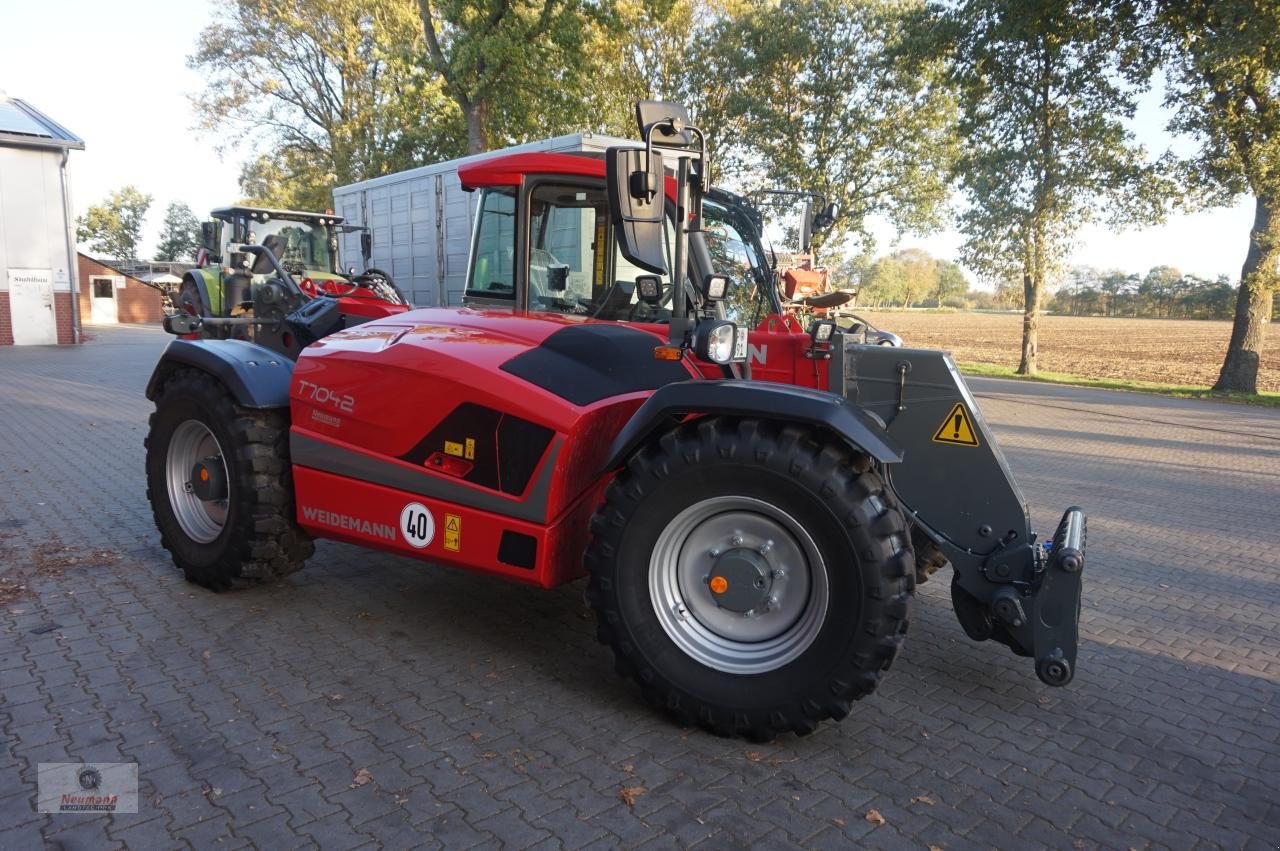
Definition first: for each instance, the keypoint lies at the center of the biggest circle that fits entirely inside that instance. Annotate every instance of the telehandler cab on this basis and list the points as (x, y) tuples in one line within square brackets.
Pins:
[(618, 397)]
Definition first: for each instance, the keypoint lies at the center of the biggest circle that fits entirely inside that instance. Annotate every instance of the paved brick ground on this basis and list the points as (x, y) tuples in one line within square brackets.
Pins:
[(484, 713)]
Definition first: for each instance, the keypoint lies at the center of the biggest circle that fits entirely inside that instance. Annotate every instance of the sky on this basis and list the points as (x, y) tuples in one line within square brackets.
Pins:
[(115, 74)]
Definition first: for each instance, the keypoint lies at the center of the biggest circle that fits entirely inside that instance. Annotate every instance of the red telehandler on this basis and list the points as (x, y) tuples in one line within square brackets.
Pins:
[(619, 399)]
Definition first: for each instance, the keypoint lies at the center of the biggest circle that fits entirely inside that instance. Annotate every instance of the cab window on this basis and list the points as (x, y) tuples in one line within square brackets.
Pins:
[(574, 262), (735, 255), (493, 253), (565, 225)]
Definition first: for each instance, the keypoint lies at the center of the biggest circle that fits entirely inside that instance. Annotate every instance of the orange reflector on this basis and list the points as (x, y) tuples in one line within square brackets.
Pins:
[(719, 584), (204, 474), (666, 352)]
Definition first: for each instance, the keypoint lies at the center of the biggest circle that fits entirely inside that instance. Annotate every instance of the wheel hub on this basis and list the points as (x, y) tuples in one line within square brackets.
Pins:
[(208, 479), (738, 584), (197, 481), (740, 581)]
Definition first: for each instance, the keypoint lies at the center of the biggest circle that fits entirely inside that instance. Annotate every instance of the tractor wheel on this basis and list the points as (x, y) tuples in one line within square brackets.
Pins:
[(220, 485), (752, 578), (188, 301), (929, 557)]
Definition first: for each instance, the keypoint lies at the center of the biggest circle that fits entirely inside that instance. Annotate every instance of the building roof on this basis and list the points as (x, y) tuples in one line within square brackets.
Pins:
[(23, 125), (111, 266)]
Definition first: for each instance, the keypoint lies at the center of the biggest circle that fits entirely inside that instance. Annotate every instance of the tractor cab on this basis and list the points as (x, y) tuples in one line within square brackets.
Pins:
[(275, 277), (304, 243)]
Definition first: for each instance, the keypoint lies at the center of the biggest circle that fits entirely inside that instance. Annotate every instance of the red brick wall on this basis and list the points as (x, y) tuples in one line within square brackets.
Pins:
[(62, 316), (6, 324), (136, 303)]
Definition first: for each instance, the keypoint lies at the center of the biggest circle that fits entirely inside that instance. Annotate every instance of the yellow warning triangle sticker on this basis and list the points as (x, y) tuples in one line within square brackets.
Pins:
[(451, 524), (957, 428)]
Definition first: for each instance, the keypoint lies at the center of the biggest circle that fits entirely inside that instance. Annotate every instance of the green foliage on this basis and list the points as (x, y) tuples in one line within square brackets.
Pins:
[(629, 50), (1222, 58), (1163, 293), (1043, 104), (179, 233), (813, 94), (911, 276), (326, 93), (515, 69), (287, 178), (112, 229)]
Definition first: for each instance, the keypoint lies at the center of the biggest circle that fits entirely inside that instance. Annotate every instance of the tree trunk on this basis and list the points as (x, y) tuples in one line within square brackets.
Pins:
[(477, 113), (1253, 302), (1030, 324)]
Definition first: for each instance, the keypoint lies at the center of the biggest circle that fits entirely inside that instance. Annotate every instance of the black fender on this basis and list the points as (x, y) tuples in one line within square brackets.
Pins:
[(256, 376), (862, 431)]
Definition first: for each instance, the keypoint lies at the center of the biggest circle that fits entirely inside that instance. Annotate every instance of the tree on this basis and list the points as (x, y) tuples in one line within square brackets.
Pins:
[(815, 95), (1160, 289), (515, 69), (1223, 64), (321, 93), (113, 228), (1043, 104), (179, 234), (950, 282)]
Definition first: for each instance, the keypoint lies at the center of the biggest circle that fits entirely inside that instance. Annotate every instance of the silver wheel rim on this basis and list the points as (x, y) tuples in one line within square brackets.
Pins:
[(691, 550), (200, 519)]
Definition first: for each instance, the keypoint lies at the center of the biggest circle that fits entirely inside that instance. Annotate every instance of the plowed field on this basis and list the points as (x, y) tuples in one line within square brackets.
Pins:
[(1167, 351)]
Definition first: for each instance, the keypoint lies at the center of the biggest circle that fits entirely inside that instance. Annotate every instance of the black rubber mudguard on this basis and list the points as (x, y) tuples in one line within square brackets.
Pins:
[(256, 376), (763, 399)]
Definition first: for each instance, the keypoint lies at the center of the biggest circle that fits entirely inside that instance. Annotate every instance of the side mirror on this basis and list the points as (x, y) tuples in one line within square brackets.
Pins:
[(635, 181), (826, 217), (366, 246), (558, 278), (211, 236), (659, 112)]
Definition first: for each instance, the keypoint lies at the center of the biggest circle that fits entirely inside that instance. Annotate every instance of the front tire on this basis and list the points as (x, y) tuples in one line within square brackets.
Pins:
[(796, 613), (221, 486)]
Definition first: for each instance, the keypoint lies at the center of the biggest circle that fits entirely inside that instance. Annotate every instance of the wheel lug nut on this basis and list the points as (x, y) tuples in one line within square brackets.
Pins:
[(714, 552), (778, 573), (736, 540)]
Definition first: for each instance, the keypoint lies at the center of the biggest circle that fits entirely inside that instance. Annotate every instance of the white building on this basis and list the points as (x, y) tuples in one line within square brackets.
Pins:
[(38, 286)]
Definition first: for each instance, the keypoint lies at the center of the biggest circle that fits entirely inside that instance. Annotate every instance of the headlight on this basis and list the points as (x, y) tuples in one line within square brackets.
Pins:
[(714, 341)]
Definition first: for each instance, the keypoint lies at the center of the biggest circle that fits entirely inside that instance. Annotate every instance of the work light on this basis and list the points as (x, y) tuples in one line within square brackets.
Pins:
[(649, 288), (715, 287)]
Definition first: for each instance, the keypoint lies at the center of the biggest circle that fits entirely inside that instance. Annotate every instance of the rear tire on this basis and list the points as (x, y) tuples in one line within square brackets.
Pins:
[(717, 663), (249, 536)]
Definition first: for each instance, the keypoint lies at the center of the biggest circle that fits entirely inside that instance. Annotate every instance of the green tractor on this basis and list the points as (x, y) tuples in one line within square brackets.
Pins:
[(256, 263)]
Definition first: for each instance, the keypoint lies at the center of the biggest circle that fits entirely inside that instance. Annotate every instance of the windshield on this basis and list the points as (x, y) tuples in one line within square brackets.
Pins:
[(298, 245), (736, 253)]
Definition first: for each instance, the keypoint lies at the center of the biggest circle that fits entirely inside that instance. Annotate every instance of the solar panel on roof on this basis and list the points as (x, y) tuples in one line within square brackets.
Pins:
[(14, 120)]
